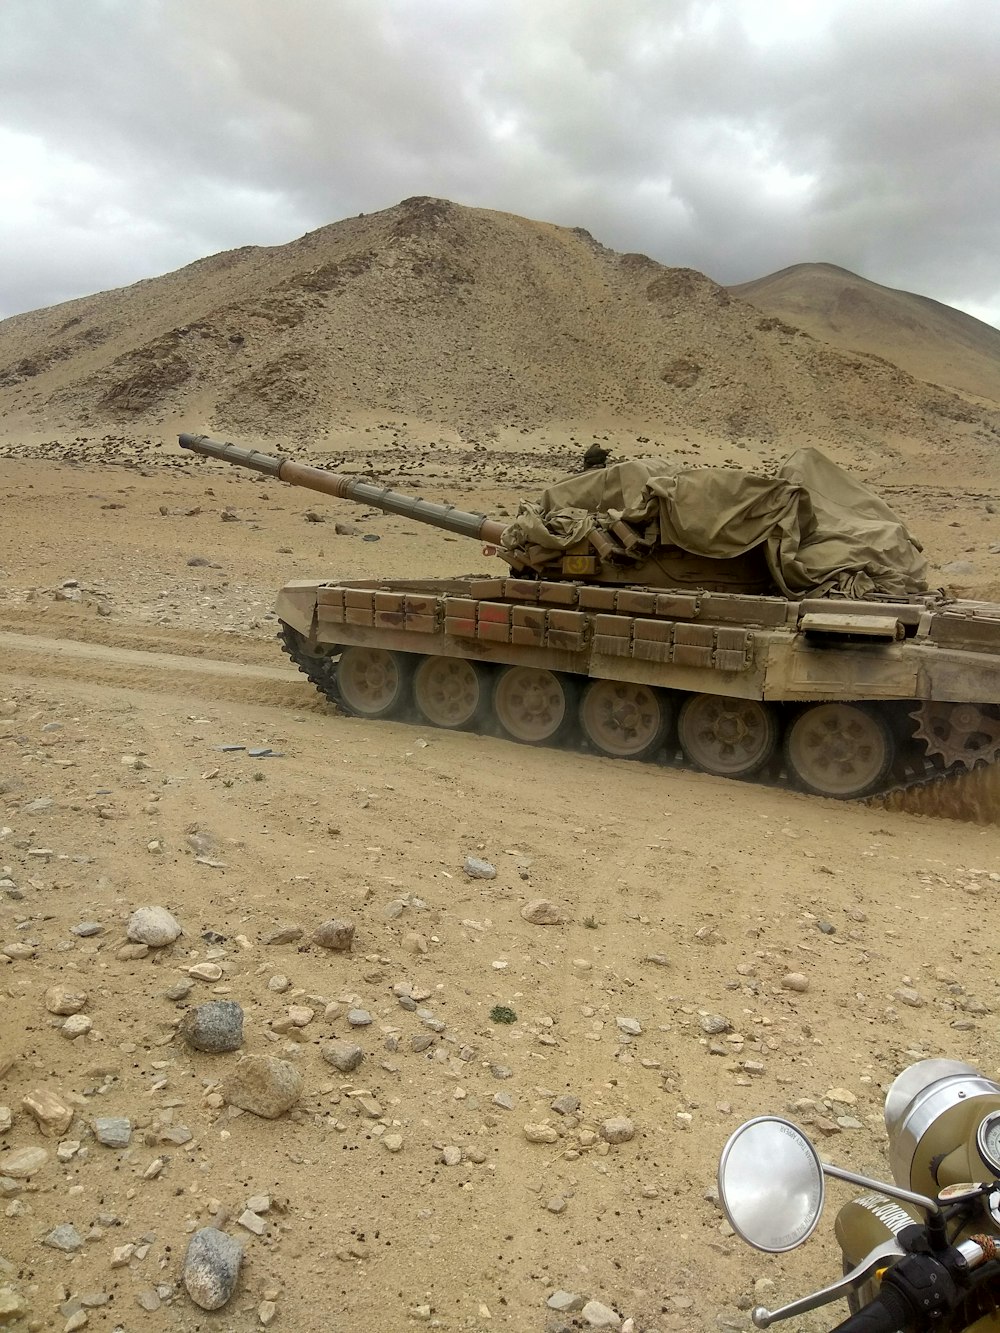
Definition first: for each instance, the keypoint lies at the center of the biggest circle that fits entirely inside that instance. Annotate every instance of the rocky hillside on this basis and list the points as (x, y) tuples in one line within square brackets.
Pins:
[(468, 319), (931, 341)]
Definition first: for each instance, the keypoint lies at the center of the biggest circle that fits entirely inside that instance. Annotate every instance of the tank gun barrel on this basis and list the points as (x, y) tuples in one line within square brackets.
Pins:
[(444, 516)]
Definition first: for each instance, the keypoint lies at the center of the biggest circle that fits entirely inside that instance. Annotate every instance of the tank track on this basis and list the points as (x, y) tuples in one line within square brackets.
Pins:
[(949, 757), (318, 670)]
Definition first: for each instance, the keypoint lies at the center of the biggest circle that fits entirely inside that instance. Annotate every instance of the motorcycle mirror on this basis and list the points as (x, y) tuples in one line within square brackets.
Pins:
[(771, 1184)]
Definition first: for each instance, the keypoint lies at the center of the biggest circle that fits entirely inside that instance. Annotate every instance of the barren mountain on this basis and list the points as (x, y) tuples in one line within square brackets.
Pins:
[(931, 341), (468, 320)]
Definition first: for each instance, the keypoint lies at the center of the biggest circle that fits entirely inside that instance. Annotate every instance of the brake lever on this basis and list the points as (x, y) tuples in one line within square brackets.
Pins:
[(764, 1318)]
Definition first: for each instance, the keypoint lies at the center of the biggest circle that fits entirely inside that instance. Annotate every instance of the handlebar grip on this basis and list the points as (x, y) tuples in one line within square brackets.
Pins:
[(887, 1313)]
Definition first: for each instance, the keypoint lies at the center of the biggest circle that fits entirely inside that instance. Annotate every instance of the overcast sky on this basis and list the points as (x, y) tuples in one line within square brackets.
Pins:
[(732, 136)]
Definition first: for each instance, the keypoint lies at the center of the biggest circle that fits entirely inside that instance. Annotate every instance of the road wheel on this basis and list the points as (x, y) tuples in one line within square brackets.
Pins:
[(373, 682), (841, 750), (625, 720), (535, 706), (452, 692), (730, 738)]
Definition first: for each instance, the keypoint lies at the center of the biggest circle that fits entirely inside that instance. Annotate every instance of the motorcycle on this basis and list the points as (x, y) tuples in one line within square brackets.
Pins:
[(920, 1254)]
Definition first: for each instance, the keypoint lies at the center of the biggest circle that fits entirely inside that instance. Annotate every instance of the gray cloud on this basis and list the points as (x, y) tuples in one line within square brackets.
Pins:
[(733, 136)]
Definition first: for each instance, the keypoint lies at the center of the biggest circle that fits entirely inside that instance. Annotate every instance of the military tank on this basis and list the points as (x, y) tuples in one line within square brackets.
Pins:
[(777, 628)]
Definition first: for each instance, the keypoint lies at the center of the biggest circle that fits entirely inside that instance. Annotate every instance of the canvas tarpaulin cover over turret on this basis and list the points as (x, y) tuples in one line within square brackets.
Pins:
[(821, 529)]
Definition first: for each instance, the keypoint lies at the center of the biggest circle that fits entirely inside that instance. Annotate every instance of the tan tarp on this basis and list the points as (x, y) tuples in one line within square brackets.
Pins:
[(821, 529)]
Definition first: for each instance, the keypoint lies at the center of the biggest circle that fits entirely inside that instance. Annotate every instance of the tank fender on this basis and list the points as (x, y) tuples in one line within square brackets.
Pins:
[(296, 606)]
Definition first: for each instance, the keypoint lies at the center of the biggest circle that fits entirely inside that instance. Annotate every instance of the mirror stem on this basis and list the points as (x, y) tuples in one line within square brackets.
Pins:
[(935, 1217)]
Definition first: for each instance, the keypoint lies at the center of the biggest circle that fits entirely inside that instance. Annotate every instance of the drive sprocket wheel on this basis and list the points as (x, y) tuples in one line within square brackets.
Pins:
[(963, 734)]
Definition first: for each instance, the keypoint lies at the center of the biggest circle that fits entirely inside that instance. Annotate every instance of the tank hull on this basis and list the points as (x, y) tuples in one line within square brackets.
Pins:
[(828, 684)]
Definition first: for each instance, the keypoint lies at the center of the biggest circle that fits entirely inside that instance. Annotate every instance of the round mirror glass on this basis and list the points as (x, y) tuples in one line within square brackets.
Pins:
[(771, 1184)]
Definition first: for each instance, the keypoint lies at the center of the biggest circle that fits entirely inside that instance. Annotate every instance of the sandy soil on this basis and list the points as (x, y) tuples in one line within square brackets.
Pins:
[(684, 897)]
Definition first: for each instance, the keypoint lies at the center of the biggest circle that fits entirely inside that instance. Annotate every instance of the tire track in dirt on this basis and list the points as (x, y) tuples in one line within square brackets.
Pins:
[(32, 659)]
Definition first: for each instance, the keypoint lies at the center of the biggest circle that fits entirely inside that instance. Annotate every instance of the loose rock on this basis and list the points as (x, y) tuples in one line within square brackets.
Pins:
[(477, 869), (542, 912), (154, 926), (49, 1110), (795, 981), (264, 1085), (215, 1027), (211, 1267), (541, 1133), (619, 1129), (114, 1131), (77, 1025), (335, 935), (600, 1316), (64, 1000), (64, 1237), (21, 1163), (343, 1055)]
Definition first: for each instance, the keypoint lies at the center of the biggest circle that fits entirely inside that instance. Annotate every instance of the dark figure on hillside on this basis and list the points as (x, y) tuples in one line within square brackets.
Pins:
[(596, 456)]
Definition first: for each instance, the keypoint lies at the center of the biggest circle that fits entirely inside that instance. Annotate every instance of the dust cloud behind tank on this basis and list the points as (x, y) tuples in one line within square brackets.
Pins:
[(774, 627)]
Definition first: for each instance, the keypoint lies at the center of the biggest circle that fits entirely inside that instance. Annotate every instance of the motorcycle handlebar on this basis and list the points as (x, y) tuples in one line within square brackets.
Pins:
[(887, 1313)]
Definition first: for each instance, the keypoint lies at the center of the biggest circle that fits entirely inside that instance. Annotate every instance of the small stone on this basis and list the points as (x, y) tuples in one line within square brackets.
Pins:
[(368, 1105), (631, 1026), (64, 1237), (180, 990), (557, 1204), (18, 953), (477, 869), (6, 1119), (392, 1142), (86, 929), (211, 1267), (121, 1254), (541, 1133), (714, 1024), (149, 1300), (128, 953), (205, 972), (215, 1027), (52, 1114), (300, 1015), (343, 1055), (285, 935), (907, 995), (76, 1321), (263, 1085), (252, 1222), (452, 1155), (566, 1302), (77, 1025), (259, 1203), (335, 935), (542, 912), (266, 1312), (567, 1104), (619, 1129), (358, 1018), (114, 1131), (64, 1000), (504, 1100), (279, 984), (842, 1095), (795, 981), (154, 926), (600, 1316), (12, 1306), (21, 1163)]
